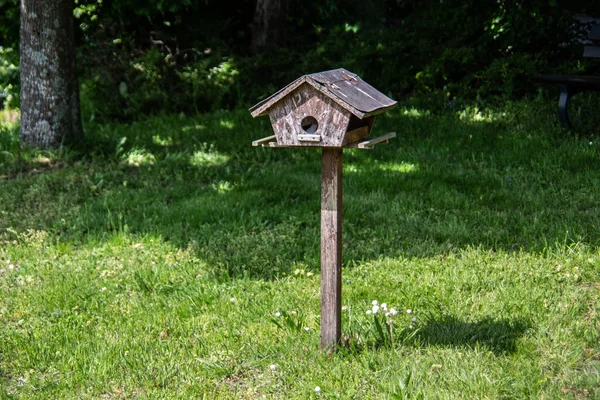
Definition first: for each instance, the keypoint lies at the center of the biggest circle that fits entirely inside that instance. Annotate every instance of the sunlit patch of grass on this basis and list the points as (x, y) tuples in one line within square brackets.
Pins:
[(162, 140), (42, 160), (207, 157), (139, 157), (227, 124), (192, 128), (222, 187), (415, 112), (403, 167), (475, 114)]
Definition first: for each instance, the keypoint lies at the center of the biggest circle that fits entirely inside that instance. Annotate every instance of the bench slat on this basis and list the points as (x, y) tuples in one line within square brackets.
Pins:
[(588, 81), (591, 51), (594, 34)]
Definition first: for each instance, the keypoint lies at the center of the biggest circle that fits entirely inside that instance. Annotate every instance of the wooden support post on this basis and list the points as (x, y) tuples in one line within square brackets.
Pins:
[(331, 248)]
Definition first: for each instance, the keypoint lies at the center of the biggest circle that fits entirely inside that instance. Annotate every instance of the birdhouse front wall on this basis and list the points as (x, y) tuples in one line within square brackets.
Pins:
[(308, 118)]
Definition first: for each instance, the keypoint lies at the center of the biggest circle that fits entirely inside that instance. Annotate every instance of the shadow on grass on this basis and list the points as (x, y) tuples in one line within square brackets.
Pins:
[(497, 335)]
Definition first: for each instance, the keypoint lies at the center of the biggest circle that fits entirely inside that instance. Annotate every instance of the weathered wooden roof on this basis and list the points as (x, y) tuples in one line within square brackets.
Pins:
[(342, 86)]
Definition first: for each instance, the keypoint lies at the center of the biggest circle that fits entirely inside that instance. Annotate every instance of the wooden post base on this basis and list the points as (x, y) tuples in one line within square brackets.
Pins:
[(331, 248)]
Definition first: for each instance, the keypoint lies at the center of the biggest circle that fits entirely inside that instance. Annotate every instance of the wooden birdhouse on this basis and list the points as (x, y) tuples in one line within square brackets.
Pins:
[(327, 109)]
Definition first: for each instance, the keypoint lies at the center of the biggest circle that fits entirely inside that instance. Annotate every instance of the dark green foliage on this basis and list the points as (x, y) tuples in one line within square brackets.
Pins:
[(140, 57), (9, 53)]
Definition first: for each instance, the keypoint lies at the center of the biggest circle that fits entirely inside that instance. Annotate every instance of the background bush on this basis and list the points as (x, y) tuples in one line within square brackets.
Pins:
[(140, 57)]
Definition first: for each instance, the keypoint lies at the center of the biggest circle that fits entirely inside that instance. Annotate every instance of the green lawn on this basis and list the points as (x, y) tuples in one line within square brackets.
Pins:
[(168, 258)]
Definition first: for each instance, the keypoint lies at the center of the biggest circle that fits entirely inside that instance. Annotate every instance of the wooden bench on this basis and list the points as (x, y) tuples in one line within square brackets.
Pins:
[(570, 85)]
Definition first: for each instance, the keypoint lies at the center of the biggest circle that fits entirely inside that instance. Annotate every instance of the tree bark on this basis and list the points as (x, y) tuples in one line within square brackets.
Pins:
[(50, 112), (270, 25)]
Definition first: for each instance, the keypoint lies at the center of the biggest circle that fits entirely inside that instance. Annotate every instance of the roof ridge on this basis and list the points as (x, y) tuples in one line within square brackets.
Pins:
[(357, 96)]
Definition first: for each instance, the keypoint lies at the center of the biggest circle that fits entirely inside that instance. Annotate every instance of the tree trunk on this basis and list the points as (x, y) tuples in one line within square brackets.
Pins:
[(270, 24), (50, 113)]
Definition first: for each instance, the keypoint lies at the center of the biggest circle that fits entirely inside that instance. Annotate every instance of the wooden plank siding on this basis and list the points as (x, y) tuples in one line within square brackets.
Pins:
[(287, 115)]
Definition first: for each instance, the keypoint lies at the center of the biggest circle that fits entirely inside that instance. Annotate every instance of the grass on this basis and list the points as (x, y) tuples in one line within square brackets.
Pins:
[(168, 258)]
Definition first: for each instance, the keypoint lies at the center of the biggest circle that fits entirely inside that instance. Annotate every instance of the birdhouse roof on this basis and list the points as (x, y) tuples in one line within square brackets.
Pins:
[(342, 86)]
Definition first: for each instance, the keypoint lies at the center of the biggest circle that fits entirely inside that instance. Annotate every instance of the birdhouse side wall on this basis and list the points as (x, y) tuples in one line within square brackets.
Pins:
[(308, 118), (358, 129)]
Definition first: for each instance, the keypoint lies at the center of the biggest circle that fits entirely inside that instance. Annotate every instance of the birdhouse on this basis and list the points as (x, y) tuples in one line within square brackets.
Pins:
[(332, 110), (326, 109)]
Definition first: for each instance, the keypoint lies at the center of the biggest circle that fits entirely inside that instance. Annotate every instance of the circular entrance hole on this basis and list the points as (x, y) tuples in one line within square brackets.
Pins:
[(309, 124)]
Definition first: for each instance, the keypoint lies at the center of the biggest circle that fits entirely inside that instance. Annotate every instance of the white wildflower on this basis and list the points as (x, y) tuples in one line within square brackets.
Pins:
[(278, 314), (273, 367), (409, 311), (384, 306), (369, 312), (375, 309), (375, 302), (414, 319), (345, 308), (233, 300), (393, 311), (317, 389)]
